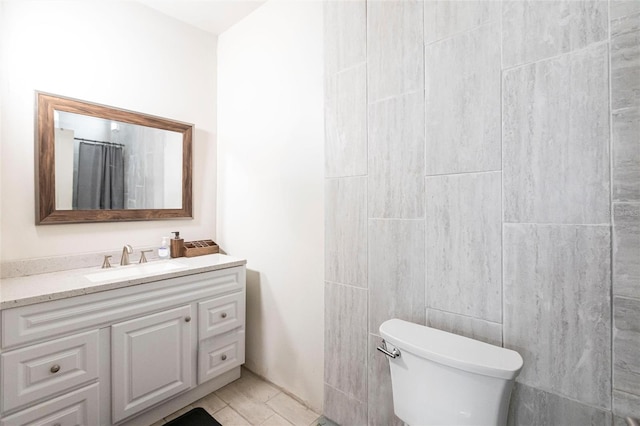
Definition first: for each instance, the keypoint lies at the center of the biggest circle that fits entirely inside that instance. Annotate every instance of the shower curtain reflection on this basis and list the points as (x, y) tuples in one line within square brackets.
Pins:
[(99, 182)]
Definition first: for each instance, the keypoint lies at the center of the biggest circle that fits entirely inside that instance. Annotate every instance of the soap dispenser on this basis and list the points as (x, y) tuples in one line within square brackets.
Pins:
[(163, 251), (177, 245)]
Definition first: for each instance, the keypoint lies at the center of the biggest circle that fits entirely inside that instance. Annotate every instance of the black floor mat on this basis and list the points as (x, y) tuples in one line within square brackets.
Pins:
[(196, 417)]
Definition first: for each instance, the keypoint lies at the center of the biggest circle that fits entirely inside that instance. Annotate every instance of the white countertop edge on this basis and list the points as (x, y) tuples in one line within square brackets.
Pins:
[(36, 288)]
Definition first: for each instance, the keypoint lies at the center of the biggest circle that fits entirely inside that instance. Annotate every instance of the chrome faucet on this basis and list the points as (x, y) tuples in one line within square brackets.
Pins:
[(126, 251)]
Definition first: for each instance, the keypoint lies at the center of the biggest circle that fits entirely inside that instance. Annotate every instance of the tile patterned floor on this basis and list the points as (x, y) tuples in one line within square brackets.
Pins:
[(251, 401)]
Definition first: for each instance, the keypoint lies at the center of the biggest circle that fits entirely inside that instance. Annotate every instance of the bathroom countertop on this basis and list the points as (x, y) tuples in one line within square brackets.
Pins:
[(28, 290)]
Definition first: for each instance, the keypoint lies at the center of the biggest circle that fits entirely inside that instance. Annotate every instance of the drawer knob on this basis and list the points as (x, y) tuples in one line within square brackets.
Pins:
[(223, 315), (223, 357), (187, 318), (55, 368), (58, 424)]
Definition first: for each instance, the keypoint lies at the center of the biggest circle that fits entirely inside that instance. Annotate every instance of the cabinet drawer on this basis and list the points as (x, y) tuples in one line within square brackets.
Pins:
[(42, 370), (78, 408), (220, 354), (219, 315)]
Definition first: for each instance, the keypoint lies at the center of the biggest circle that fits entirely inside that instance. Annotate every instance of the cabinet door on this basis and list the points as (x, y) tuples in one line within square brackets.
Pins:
[(151, 360)]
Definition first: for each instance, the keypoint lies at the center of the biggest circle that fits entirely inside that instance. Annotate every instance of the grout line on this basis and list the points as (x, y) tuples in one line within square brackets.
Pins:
[(366, 208), (555, 224), (343, 177), (464, 173), (394, 97), (559, 55), (464, 316), (502, 202), (611, 210), (425, 192), (238, 413), (632, 298), (350, 68), (344, 393), (347, 285), (463, 32), (417, 219)]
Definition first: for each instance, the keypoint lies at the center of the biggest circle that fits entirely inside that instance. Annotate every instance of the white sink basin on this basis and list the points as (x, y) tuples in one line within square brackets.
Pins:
[(135, 271)]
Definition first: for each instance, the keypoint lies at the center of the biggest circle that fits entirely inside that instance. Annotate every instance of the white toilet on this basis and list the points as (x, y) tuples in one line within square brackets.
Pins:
[(440, 378)]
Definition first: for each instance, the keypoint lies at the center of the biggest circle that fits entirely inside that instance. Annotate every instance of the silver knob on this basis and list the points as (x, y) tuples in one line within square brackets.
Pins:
[(223, 357), (223, 315), (187, 318), (55, 368)]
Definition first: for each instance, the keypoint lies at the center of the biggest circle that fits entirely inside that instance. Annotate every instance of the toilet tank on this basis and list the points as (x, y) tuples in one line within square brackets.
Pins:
[(441, 378)]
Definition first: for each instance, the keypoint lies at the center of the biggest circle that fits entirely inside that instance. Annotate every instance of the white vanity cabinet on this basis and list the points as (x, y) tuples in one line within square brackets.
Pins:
[(126, 356)]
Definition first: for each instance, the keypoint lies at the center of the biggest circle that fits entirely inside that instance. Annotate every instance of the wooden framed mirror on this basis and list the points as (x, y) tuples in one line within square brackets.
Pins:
[(96, 163)]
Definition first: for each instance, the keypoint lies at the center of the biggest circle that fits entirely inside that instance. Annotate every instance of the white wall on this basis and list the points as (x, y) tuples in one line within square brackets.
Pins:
[(116, 53), (2, 91), (270, 187)]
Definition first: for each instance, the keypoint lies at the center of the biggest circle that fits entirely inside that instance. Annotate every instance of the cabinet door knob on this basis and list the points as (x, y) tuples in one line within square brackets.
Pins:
[(223, 315), (223, 357), (55, 368), (57, 424), (187, 318)]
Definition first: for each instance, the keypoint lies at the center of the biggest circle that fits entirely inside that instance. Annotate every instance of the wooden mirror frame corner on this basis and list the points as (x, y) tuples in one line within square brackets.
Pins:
[(46, 213)]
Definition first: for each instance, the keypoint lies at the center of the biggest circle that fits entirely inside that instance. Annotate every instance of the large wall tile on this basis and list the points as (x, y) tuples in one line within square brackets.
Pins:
[(396, 271), (346, 231), (534, 30), (396, 157), (625, 70), (345, 340), (626, 404), (532, 407), (445, 18), (557, 312), (346, 123), (556, 140), (343, 409), (626, 344), (626, 154), (464, 244), (380, 392), (394, 48), (462, 102), (474, 328), (626, 249), (345, 34)]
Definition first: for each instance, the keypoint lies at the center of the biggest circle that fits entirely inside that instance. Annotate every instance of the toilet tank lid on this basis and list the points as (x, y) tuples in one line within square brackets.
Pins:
[(451, 349)]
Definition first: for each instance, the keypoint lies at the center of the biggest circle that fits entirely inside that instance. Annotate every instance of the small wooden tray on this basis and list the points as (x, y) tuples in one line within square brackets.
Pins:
[(199, 248)]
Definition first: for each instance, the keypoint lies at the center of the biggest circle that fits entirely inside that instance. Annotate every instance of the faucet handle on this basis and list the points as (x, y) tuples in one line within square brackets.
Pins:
[(143, 258), (106, 263)]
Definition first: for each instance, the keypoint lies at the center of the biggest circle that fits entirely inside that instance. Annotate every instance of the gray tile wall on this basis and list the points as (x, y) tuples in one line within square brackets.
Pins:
[(625, 133), (463, 107), (483, 177), (557, 309)]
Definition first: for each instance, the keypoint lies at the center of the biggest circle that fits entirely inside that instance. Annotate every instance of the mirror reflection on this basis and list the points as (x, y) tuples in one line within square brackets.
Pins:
[(107, 164)]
